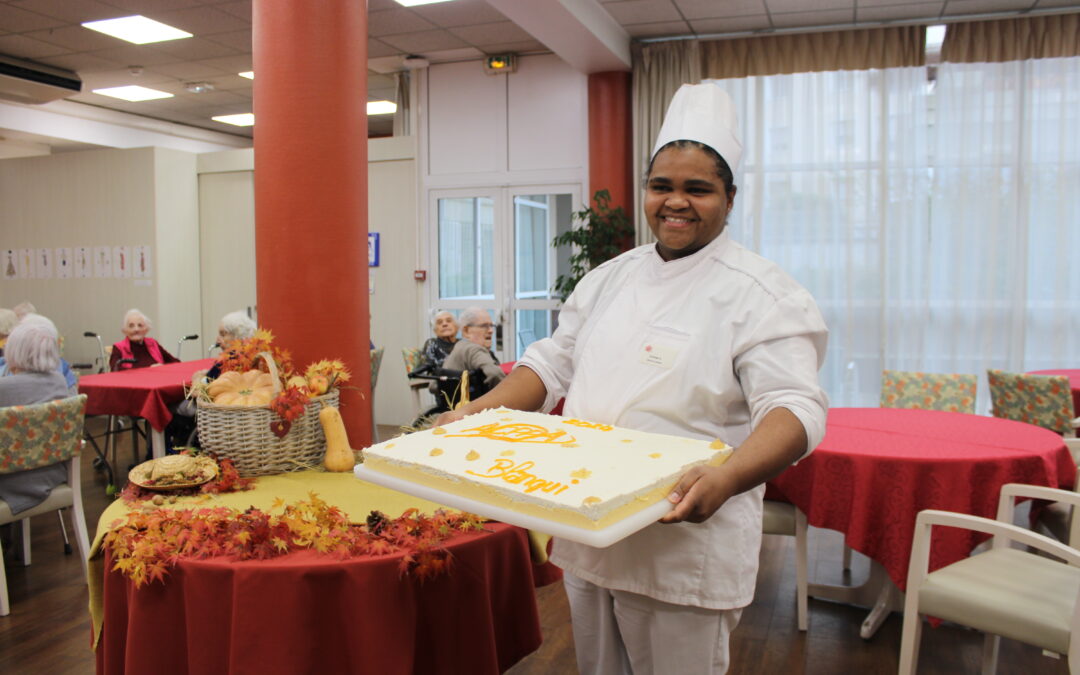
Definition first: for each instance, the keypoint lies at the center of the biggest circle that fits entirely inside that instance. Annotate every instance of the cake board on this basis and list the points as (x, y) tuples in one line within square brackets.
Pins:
[(601, 538)]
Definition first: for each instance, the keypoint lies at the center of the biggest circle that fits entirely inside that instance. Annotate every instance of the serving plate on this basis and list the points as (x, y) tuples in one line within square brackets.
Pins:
[(205, 470), (601, 538)]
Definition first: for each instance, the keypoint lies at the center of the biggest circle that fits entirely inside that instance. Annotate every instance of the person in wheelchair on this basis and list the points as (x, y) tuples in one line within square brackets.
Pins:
[(473, 351), (137, 349), (437, 348)]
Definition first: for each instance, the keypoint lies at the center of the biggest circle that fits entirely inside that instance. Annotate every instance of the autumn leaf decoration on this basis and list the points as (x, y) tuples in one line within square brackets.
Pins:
[(146, 544), (289, 405)]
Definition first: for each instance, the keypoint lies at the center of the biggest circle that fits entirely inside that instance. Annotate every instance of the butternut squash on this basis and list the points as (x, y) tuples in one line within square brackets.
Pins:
[(251, 388), (339, 456)]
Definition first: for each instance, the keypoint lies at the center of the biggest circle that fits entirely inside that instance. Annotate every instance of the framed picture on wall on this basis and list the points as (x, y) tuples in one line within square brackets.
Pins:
[(43, 263), (11, 264), (63, 263)]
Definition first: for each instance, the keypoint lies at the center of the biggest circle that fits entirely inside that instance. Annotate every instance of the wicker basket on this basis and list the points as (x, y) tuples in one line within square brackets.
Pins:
[(242, 434)]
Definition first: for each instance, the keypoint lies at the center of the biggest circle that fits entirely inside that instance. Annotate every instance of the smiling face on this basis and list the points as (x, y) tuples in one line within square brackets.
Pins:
[(135, 328), (685, 201), (446, 327), (481, 331)]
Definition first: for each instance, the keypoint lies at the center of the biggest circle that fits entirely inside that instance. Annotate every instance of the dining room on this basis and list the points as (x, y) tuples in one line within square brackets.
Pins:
[(909, 166)]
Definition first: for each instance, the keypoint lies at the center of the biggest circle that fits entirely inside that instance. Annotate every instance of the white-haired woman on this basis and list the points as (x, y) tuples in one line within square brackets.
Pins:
[(33, 363), (235, 326), (145, 351), (437, 348), (8, 320)]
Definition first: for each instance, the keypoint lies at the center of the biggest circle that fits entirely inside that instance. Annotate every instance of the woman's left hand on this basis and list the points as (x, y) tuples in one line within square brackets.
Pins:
[(699, 493)]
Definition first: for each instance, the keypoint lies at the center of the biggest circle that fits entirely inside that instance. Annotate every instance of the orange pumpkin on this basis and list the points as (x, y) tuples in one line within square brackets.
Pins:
[(252, 388)]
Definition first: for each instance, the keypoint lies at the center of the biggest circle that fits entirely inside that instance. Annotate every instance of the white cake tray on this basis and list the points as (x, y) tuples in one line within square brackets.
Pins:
[(601, 538)]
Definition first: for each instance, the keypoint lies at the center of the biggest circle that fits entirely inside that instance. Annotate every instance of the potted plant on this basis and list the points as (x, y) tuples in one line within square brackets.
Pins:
[(600, 233)]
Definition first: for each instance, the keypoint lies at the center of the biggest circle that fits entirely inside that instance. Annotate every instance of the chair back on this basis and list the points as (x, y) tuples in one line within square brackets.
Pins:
[(1042, 400), (33, 436), (952, 392), (376, 362), (413, 359)]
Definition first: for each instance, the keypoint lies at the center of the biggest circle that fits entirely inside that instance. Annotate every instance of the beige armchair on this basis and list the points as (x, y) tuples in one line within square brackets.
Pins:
[(1004, 591), (783, 518)]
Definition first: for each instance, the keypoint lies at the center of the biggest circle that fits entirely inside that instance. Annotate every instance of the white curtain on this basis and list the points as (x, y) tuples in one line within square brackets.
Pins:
[(938, 226)]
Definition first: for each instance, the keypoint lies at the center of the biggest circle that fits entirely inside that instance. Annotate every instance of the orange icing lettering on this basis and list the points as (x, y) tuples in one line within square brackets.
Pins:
[(518, 474), (589, 425), (516, 433)]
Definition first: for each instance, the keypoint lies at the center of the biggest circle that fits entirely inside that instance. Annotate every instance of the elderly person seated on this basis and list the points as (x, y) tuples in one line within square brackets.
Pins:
[(33, 360), (473, 352), (63, 367), (235, 326), (436, 349), (8, 320), (136, 345)]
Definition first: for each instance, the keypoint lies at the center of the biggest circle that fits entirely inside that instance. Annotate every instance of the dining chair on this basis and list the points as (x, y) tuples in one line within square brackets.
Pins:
[(952, 392), (787, 519), (376, 363), (36, 436), (1004, 591), (414, 358)]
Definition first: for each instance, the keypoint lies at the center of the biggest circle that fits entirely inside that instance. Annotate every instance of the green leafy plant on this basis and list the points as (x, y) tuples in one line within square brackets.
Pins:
[(599, 234)]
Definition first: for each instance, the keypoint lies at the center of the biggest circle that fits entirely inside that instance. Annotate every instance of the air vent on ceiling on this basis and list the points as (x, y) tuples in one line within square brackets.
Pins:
[(29, 82)]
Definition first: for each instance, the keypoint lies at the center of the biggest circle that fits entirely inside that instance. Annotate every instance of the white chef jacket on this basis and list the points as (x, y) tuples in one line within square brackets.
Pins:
[(702, 346)]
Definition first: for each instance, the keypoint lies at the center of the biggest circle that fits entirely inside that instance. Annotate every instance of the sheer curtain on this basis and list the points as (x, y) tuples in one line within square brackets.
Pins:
[(834, 188)]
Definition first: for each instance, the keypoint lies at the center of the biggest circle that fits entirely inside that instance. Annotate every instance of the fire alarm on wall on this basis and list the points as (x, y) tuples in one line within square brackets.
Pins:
[(419, 275)]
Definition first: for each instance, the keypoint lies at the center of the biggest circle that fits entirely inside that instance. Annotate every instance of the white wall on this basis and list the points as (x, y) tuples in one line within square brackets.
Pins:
[(138, 197)]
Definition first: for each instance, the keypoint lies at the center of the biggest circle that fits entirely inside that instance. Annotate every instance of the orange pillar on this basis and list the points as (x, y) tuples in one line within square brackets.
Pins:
[(610, 138), (310, 108)]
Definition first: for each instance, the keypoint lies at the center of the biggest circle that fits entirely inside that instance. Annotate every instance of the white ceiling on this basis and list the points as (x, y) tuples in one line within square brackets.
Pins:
[(49, 32)]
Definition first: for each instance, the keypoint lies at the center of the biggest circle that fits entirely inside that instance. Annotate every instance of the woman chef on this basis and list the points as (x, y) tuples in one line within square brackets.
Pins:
[(691, 336)]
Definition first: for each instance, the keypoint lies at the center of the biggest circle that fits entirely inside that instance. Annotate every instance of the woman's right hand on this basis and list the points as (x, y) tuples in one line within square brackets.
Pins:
[(448, 417)]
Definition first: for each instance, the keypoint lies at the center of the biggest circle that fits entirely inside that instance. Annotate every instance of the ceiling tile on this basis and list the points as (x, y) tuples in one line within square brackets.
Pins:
[(928, 11), (241, 9), (142, 55), (735, 24), (378, 49), (449, 55), (395, 21), (525, 47), (119, 77), (805, 7), (459, 13), (148, 7), (230, 64), (67, 11), (77, 38), (492, 33), (190, 70), (239, 40), (196, 48), (859, 4), (643, 11), (954, 7), (80, 63), (429, 40), (203, 21), (24, 47), (829, 17), (711, 9), (665, 29), (376, 5), (1046, 4), (15, 20)]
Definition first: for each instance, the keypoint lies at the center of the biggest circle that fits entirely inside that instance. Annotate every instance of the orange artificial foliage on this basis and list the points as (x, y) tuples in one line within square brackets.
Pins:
[(146, 544)]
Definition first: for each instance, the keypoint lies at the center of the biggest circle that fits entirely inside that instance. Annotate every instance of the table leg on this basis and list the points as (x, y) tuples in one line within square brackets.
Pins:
[(157, 442), (878, 592)]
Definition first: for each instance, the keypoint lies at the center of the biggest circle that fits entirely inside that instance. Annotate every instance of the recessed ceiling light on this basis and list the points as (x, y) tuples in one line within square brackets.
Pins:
[(381, 107), (414, 3), (133, 92), (137, 29), (239, 120), (935, 35), (249, 74)]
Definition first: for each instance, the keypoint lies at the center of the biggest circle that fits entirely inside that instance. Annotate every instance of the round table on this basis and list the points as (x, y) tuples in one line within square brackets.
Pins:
[(310, 613), (1074, 383)]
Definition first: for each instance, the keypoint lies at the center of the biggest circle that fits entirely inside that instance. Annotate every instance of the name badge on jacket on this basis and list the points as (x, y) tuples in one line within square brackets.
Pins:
[(660, 355)]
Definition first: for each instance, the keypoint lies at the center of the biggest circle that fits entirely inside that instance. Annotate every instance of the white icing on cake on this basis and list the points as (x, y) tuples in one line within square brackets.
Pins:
[(564, 469)]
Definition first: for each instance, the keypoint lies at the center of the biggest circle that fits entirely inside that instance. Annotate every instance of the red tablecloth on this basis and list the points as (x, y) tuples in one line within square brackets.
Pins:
[(878, 467), (307, 613), (140, 392), (1074, 383)]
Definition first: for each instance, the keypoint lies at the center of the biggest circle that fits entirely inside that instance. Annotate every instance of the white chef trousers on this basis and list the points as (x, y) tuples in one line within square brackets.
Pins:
[(623, 633)]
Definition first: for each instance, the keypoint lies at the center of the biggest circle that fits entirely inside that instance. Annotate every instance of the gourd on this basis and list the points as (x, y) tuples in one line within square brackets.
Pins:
[(251, 388), (339, 456)]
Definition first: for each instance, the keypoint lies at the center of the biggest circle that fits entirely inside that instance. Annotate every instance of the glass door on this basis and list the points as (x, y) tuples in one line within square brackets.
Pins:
[(493, 250)]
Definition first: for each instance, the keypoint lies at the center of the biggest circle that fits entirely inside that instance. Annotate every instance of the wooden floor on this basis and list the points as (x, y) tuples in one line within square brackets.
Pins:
[(48, 630)]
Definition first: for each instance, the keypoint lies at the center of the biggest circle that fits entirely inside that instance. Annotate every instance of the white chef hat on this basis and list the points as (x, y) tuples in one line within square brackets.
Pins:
[(706, 114)]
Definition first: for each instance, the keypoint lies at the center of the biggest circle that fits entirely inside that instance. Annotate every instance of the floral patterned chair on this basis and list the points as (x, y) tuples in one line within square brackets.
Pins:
[(35, 436), (414, 358), (928, 391)]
